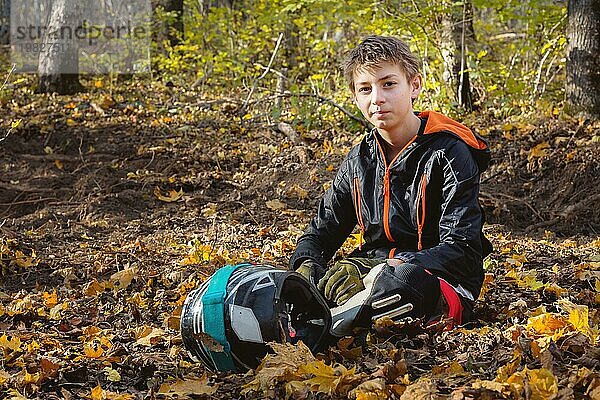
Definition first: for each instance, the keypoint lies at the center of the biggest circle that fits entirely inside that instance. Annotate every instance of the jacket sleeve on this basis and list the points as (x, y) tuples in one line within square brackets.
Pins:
[(331, 226), (458, 257)]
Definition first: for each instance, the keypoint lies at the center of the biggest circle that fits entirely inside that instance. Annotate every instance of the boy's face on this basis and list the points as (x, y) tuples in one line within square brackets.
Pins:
[(384, 96)]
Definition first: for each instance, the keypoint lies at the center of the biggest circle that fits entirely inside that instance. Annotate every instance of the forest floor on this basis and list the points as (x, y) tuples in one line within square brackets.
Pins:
[(117, 202)]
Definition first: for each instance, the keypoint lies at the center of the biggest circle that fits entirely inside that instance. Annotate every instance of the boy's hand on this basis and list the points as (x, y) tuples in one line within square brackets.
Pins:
[(344, 279), (311, 270)]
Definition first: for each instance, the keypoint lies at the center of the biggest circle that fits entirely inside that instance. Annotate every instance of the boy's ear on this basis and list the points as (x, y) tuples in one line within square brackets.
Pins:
[(416, 85)]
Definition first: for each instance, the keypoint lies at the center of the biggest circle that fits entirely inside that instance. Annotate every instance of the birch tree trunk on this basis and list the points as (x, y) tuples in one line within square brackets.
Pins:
[(58, 69), (455, 37), (582, 89)]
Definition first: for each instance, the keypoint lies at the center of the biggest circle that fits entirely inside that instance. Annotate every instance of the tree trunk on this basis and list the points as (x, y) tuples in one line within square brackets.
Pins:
[(4, 22), (206, 5), (58, 69), (582, 89), (455, 36)]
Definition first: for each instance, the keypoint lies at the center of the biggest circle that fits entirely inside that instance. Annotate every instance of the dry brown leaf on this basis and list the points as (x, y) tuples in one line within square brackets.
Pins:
[(423, 389), (209, 342), (281, 366), (183, 389), (276, 205), (49, 368), (296, 390), (122, 279), (93, 288), (148, 336), (374, 389), (4, 377)]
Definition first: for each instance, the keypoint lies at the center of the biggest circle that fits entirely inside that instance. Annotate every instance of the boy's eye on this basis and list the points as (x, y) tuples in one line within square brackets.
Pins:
[(364, 89), (389, 83)]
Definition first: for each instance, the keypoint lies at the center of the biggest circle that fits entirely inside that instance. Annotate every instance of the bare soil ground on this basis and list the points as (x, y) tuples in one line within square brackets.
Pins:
[(114, 204)]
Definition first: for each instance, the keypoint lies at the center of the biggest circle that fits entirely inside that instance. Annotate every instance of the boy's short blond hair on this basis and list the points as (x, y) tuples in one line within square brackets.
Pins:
[(375, 49)]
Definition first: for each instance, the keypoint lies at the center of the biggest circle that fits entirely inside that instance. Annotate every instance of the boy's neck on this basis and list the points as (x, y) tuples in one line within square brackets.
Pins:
[(396, 139)]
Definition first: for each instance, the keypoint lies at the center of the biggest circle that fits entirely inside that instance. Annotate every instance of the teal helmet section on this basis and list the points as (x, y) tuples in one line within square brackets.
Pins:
[(227, 322)]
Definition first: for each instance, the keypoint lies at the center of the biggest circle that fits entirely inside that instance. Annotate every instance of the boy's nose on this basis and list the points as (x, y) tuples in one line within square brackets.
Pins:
[(377, 97)]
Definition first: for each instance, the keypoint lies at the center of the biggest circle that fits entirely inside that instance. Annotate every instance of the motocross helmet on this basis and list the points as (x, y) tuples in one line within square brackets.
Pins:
[(227, 322)]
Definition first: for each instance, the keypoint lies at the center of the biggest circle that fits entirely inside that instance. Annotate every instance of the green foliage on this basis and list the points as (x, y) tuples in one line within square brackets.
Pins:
[(518, 56)]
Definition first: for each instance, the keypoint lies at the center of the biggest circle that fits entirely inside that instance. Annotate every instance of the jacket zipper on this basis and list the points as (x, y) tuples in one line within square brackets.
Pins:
[(421, 215), (357, 207), (386, 187)]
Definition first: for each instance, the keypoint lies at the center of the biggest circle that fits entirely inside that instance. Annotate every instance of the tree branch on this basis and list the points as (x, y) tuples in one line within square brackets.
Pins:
[(243, 109)]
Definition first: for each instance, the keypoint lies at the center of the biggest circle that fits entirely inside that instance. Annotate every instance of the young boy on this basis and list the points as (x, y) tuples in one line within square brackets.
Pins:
[(412, 187)]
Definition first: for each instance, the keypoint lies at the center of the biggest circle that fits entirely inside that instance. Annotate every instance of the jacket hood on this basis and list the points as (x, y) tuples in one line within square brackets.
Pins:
[(437, 123)]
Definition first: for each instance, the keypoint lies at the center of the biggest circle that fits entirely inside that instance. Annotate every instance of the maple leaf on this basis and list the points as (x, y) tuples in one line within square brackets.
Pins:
[(281, 366), (24, 261), (50, 299), (327, 379), (4, 377), (374, 389), (546, 323), (122, 279), (539, 150), (11, 344), (423, 389), (541, 383), (92, 351), (148, 336), (49, 369), (171, 196), (183, 389), (100, 394), (323, 376), (579, 318)]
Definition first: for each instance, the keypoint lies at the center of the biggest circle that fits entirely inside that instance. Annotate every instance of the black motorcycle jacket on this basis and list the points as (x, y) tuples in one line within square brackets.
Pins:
[(422, 208)]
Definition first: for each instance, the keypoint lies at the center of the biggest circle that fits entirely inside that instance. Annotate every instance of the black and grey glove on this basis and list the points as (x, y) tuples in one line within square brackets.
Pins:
[(345, 278), (311, 270)]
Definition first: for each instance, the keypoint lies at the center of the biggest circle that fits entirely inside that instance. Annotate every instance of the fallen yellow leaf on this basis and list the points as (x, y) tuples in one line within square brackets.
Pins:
[(24, 261), (90, 351), (11, 344), (539, 150), (171, 196), (185, 388)]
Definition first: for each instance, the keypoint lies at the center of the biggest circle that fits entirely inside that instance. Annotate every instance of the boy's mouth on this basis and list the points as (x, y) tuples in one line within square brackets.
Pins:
[(378, 114)]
